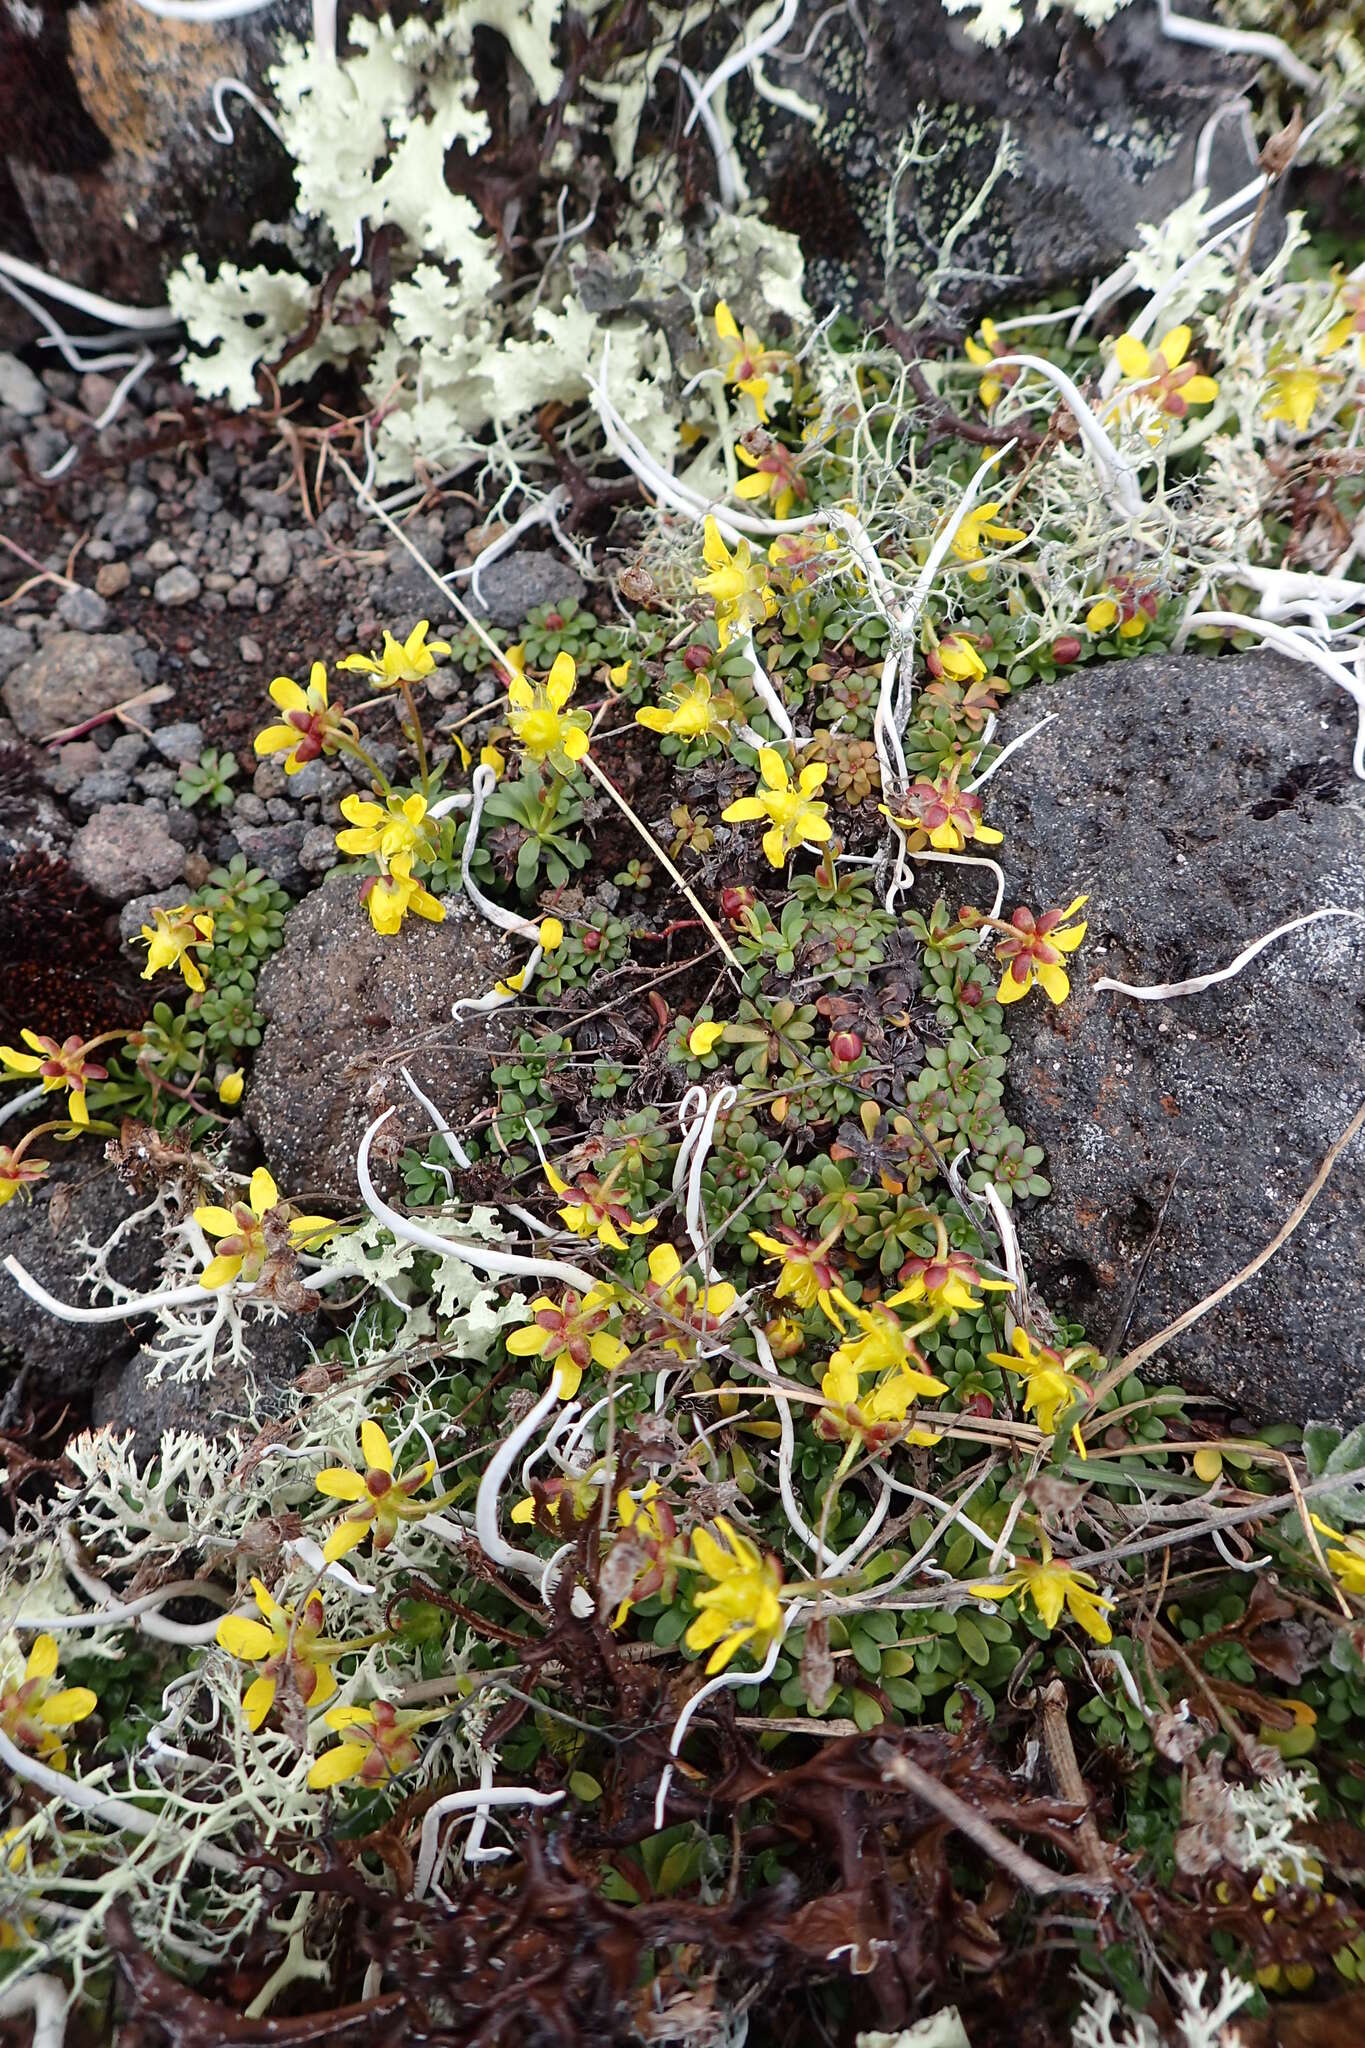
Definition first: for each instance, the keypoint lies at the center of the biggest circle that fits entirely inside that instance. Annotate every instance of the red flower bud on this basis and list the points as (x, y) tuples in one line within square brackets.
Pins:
[(1068, 648), (735, 901), (980, 1404), (591, 941), (933, 662), (554, 620), (697, 658), (971, 995), (845, 1047)]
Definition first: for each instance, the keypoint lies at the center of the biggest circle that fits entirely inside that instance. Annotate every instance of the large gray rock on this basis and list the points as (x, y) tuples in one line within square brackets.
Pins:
[(1105, 125), (72, 677), (80, 1196), (126, 1397), (345, 1009), (1201, 803)]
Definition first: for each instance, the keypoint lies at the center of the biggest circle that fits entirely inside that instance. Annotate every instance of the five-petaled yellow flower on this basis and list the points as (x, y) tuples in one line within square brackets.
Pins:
[(172, 937), (954, 656), (773, 473), (1032, 949), (1051, 1587), (594, 1213), (311, 725), (380, 1500), (390, 896), (377, 1744), (290, 1648), (807, 1277), (737, 582), (1050, 1381), (67, 1065), (542, 727), (749, 360), (687, 711), (396, 827), (572, 1333), (742, 1603), (246, 1230), (402, 661), (690, 1308), (33, 1712), (1295, 389), (978, 525), (795, 817), (1164, 377)]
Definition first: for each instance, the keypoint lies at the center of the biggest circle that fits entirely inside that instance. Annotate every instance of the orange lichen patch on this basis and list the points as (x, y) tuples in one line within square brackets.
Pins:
[(137, 75)]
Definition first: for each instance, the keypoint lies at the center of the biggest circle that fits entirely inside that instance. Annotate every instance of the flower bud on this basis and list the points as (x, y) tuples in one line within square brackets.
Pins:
[(1066, 649), (845, 1047), (735, 901), (697, 658)]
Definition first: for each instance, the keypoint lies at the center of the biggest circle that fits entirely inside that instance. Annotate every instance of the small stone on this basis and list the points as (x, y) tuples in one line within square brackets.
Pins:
[(183, 741), (70, 679), (156, 781), (129, 525), (218, 580), (125, 850), (249, 809), (14, 648), (274, 560), (276, 849), (161, 555), (69, 766), (85, 611), (242, 596), (249, 649), (182, 825), (177, 587), (265, 601), (319, 850), (106, 786), (269, 778), (515, 584), (113, 578), (280, 810), (20, 390)]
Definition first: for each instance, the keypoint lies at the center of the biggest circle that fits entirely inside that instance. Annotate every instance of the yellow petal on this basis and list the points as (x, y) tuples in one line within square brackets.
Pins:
[(64, 1709), (219, 1272), (1133, 358), (42, 1659), (263, 1194), (257, 1701), (275, 738), (335, 1766), (725, 323), (755, 486), (375, 1446), (345, 1537), (250, 1640), (1174, 347), (339, 1482)]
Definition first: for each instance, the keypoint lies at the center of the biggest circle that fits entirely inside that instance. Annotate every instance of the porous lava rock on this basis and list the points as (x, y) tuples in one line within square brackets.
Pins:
[(71, 678), (345, 1009), (1200, 802)]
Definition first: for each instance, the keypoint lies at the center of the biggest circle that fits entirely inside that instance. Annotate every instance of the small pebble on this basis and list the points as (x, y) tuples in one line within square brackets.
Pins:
[(177, 587)]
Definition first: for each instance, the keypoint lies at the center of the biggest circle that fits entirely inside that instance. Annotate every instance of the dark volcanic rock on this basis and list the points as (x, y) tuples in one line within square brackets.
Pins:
[(1201, 803), (1105, 127), (345, 1009), (79, 1196), (125, 1397)]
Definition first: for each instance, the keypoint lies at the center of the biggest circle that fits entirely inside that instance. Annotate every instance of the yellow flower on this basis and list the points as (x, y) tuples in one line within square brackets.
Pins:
[(1348, 1563), (737, 582), (704, 1037), (985, 352), (33, 1713), (774, 475), (1050, 1383), (691, 1309), (882, 1347), (539, 722), (402, 661), (231, 1086), (389, 897), (1130, 608), (748, 360), (1032, 949), (572, 1333), (807, 1276), (1165, 378), (955, 657), (742, 1604), (16, 1172), (880, 1411), (619, 676), (594, 1212), (170, 938), (67, 1065), (796, 818), (397, 827), (944, 1280), (380, 1500), (941, 815), (977, 525), (244, 1240), (311, 725), (289, 1647), (1293, 394), (550, 935), (690, 713), (377, 1744), (1051, 1587)]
